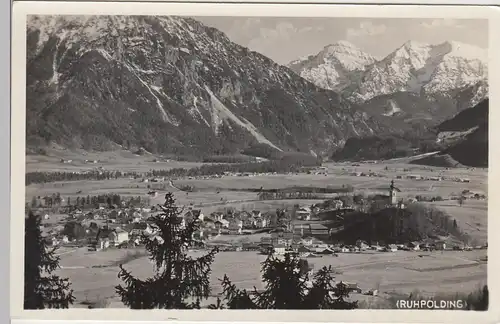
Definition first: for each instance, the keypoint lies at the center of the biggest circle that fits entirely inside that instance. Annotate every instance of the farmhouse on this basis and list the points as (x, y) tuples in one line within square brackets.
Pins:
[(303, 213), (392, 248), (279, 249), (319, 231), (260, 222), (102, 244), (118, 236)]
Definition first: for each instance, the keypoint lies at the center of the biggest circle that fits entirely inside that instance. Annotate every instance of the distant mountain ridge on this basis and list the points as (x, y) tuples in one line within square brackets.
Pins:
[(173, 85), (433, 71)]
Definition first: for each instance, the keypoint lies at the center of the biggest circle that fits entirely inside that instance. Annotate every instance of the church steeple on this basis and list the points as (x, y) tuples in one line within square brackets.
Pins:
[(392, 194)]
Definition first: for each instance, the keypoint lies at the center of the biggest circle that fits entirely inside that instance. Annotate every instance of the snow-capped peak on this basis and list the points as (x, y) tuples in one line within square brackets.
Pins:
[(343, 44), (419, 67), (329, 68)]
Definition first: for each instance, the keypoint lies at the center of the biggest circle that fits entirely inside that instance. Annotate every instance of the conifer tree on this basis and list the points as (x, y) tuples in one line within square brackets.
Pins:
[(287, 286), (42, 289), (180, 281)]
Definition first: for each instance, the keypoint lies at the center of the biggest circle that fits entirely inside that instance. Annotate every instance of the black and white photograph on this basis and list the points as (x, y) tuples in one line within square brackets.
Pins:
[(223, 162)]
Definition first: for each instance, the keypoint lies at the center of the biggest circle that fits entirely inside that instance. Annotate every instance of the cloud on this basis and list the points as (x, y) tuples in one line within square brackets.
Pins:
[(366, 28), (436, 23), (282, 30)]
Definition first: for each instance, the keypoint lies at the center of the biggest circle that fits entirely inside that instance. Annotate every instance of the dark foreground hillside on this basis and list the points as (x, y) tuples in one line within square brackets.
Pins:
[(471, 148)]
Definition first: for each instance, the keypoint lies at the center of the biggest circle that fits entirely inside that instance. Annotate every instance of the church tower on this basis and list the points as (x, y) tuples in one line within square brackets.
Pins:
[(392, 194)]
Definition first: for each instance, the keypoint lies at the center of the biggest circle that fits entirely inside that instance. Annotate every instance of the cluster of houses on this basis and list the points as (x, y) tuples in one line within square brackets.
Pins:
[(311, 246), (121, 227)]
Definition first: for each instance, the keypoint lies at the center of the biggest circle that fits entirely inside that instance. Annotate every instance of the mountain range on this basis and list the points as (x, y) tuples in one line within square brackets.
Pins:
[(433, 72), (173, 85)]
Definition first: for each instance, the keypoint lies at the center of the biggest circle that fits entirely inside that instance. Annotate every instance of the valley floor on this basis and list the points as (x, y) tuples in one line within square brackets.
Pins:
[(94, 274)]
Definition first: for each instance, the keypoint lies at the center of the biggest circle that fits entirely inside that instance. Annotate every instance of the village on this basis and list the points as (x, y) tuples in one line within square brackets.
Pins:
[(110, 221)]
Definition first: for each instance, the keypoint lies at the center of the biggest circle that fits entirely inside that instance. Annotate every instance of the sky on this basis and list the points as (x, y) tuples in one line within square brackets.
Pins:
[(286, 39)]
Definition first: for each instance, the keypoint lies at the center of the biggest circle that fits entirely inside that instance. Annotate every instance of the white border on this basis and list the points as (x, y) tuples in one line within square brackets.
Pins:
[(18, 89)]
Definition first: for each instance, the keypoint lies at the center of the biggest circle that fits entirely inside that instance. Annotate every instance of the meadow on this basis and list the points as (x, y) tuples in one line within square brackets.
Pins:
[(122, 160), (397, 272)]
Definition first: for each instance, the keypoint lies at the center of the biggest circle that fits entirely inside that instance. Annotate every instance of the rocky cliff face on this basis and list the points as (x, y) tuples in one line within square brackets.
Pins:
[(173, 85)]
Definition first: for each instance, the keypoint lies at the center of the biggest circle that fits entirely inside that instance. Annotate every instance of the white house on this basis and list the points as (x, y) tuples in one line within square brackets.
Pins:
[(103, 244), (279, 249), (118, 236), (225, 223)]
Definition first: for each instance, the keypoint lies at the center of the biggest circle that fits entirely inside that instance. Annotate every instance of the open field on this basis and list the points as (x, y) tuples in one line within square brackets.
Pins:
[(114, 160), (408, 187), (402, 272)]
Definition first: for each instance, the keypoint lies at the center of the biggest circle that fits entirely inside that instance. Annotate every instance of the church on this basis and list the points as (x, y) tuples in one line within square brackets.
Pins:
[(393, 196)]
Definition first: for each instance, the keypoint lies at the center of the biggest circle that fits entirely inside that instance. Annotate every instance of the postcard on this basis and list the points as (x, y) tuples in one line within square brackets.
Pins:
[(258, 162)]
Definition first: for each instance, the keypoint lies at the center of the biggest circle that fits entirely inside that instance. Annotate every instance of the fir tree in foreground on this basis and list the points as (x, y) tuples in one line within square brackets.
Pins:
[(42, 289), (180, 281), (287, 286)]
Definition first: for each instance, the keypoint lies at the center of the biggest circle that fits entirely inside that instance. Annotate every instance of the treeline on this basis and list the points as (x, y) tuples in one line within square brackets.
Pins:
[(436, 222), (281, 166), (228, 159), (44, 177)]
